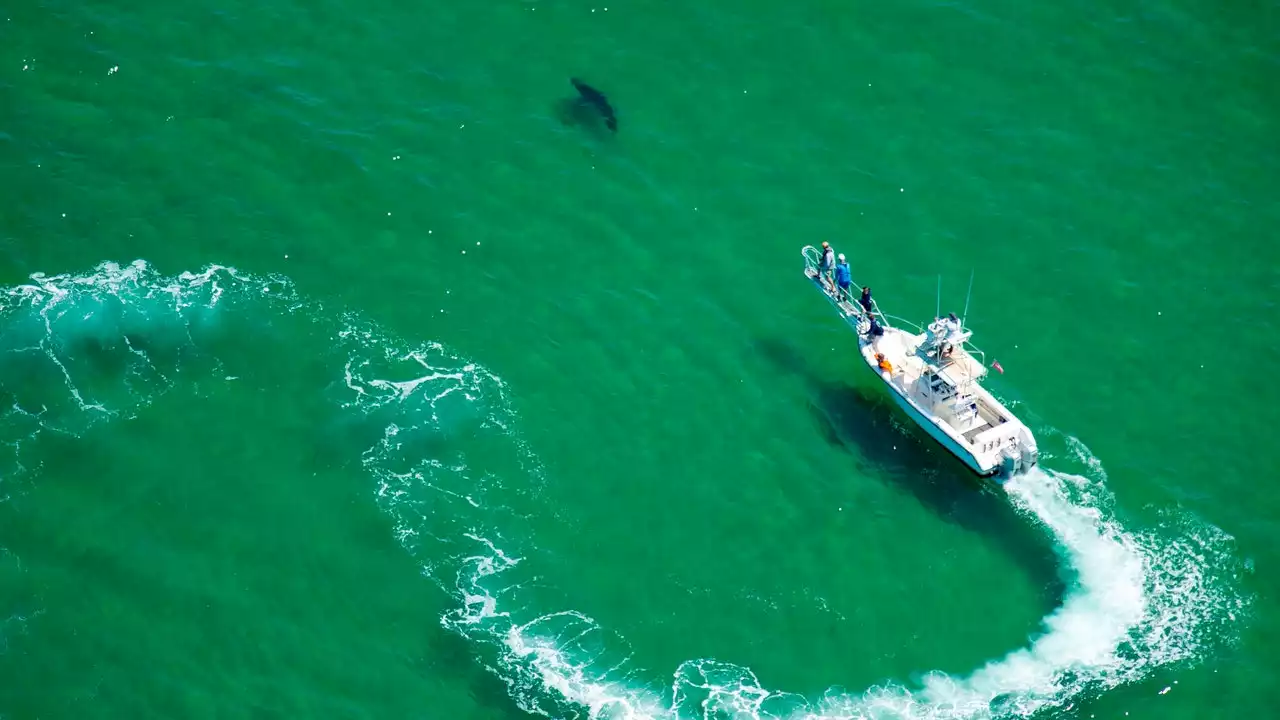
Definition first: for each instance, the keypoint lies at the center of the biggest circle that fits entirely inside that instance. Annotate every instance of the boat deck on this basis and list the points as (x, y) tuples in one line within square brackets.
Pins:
[(898, 346), (848, 307), (907, 368), (961, 367), (967, 419)]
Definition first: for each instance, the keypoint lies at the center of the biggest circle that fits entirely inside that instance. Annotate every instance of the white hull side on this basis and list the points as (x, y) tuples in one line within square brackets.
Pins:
[(1003, 446), (937, 433), (942, 437)]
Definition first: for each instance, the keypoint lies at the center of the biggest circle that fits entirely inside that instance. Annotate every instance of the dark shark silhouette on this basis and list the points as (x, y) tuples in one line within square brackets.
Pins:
[(597, 100)]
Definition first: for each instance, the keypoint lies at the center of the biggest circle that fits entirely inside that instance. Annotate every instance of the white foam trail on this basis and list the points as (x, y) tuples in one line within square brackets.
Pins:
[(1139, 601), (53, 323), (1085, 635), (78, 349)]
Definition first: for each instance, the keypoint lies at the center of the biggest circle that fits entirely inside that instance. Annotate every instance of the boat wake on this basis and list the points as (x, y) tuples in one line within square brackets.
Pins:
[(1139, 601), (436, 434)]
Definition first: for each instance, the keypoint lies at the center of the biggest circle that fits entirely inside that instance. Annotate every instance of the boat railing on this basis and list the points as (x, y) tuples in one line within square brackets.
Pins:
[(975, 353), (812, 258)]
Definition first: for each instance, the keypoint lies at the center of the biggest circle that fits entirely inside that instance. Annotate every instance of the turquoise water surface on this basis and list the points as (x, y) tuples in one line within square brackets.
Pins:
[(347, 370)]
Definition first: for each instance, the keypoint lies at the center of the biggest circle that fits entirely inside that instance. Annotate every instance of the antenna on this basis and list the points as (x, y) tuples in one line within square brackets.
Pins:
[(968, 295), (938, 312)]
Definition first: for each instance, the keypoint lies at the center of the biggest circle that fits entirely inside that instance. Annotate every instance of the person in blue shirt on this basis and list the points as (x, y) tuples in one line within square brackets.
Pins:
[(844, 277)]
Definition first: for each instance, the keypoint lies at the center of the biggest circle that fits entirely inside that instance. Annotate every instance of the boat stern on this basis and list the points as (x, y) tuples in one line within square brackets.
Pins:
[(1019, 456)]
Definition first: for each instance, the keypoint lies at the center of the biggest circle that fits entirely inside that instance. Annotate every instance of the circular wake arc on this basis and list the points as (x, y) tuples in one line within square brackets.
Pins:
[(437, 437), (1139, 602)]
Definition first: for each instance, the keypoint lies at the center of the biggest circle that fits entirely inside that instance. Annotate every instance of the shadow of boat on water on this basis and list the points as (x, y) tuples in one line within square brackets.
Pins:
[(868, 424)]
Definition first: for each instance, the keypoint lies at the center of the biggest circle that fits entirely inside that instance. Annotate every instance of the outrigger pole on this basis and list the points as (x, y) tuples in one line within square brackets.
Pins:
[(964, 318)]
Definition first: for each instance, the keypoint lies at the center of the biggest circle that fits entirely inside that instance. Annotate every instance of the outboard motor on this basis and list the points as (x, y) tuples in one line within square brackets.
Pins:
[(1011, 464), (1030, 456), (1019, 457)]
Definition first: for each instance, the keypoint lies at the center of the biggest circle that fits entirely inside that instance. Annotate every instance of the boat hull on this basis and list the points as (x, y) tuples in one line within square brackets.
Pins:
[(995, 456), (941, 437)]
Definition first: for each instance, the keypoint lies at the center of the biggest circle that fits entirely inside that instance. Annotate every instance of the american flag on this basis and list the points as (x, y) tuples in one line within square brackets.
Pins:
[(996, 364)]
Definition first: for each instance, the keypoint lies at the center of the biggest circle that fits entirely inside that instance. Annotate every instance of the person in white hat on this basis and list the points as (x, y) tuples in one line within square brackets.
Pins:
[(844, 279)]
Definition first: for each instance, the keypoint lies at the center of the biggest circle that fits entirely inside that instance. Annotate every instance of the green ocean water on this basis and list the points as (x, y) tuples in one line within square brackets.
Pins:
[(346, 373)]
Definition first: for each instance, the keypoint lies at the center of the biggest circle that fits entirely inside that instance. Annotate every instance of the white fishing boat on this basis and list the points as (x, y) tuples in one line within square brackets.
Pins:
[(935, 375)]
